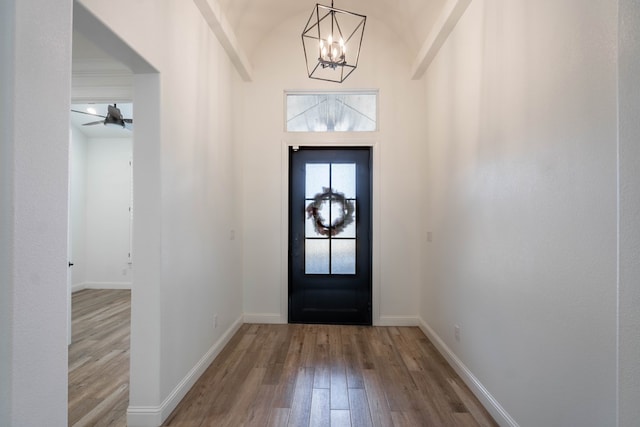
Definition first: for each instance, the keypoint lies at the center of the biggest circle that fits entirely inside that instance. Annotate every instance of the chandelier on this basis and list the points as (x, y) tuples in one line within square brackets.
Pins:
[(331, 41)]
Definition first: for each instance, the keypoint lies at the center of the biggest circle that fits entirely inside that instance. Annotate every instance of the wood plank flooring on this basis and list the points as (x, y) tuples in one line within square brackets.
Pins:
[(329, 376), (275, 375), (99, 358)]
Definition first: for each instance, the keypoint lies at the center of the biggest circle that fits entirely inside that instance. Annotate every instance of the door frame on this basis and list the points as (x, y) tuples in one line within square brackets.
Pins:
[(341, 141), (144, 383)]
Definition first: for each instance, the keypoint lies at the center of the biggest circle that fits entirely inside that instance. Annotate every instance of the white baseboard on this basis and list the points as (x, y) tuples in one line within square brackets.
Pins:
[(264, 318), (499, 414), (398, 321), (144, 416), (100, 285), (153, 416)]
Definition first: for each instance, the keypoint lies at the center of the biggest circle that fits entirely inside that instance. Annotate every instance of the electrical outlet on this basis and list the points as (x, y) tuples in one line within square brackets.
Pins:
[(456, 332), (215, 321)]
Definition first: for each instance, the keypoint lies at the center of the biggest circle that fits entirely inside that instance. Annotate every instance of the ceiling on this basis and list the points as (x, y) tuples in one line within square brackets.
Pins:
[(97, 81), (412, 20)]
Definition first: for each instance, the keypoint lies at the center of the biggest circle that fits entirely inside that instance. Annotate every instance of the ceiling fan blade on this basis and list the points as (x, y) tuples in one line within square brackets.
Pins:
[(99, 122), (128, 120), (88, 114)]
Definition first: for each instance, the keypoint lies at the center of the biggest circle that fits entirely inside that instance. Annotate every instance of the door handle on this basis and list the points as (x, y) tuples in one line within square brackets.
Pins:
[(70, 264)]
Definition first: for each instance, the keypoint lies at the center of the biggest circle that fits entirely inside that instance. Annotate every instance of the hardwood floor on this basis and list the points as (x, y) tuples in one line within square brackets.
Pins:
[(99, 358), (275, 375), (310, 375)]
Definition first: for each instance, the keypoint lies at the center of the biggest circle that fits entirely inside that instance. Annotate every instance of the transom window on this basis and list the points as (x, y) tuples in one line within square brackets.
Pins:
[(332, 111)]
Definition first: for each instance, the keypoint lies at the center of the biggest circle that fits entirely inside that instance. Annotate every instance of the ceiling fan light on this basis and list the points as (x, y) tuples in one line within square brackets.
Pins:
[(113, 122)]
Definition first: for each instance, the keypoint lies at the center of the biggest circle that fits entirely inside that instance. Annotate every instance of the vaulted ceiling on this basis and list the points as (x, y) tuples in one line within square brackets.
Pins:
[(412, 20), (251, 20), (422, 25)]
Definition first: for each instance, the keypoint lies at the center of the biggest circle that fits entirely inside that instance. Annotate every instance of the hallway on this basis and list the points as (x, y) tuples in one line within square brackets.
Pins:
[(317, 375), (505, 200)]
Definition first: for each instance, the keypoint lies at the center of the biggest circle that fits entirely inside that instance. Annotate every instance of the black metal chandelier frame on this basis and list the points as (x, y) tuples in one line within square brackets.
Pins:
[(331, 51)]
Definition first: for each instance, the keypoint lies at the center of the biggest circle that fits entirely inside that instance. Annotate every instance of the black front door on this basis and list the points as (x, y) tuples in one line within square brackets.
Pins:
[(330, 235)]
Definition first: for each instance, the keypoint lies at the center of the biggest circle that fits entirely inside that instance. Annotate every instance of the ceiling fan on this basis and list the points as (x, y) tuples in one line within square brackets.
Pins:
[(113, 118)]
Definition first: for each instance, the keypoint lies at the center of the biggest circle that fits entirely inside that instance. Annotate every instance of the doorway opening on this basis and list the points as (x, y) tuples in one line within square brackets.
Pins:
[(110, 74), (100, 235), (100, 266)]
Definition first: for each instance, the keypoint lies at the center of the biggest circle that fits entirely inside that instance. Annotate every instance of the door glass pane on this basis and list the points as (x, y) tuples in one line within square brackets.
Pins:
[(336, 212), (349, 230), (316, 259), (315, 226), (317, 178), (310, 229), (343, 179), (343, 256)]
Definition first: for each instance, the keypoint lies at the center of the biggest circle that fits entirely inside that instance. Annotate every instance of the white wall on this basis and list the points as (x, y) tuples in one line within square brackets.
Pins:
[(100, 222), (33, 211), (188, 179), (107, 212), (521, 198), (78, 208), (396, 170)]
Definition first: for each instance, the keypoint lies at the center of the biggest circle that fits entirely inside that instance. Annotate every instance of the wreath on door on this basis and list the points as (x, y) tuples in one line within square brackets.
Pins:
[(346, 209)]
